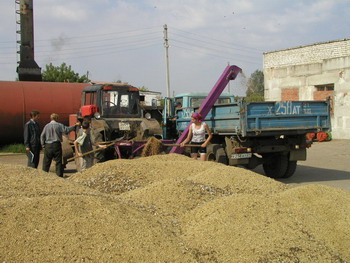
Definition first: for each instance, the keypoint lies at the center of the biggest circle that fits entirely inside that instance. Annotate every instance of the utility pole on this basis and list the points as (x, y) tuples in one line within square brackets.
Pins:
[(166, 45)]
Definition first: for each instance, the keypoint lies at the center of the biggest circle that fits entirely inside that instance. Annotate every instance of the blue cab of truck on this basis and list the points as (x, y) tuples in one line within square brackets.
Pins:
[(195, 99), (183, 105)]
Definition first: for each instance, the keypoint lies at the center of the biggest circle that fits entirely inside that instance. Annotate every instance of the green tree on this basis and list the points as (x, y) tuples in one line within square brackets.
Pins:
[(120, 81), (143, 88), (255, 86), (63, 73)]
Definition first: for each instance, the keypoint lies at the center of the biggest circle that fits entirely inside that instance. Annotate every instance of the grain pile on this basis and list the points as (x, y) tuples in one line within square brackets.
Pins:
[(168, 208)]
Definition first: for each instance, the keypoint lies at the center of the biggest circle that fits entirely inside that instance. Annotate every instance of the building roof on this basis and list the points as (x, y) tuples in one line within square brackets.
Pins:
[(110, 83), (309, 45)]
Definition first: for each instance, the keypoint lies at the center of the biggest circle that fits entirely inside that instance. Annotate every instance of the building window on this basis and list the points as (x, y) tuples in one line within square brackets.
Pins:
[(325, 87)]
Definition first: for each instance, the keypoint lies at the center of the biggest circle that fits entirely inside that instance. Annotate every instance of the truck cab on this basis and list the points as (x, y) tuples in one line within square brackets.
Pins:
[(195, 99), (188, 102)]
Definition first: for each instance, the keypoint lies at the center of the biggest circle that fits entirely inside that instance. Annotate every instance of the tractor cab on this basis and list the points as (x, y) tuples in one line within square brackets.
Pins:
[(115, 113), (110, 101)]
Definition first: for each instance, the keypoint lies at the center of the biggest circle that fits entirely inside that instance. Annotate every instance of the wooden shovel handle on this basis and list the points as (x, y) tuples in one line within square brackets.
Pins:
[(92, 151), (186, 145)]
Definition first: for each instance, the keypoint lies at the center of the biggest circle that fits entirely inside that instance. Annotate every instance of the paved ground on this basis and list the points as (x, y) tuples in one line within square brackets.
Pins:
[(327, 163), (21, 159)]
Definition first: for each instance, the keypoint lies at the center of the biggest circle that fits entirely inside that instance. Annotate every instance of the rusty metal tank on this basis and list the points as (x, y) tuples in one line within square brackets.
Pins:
[(19, 98)]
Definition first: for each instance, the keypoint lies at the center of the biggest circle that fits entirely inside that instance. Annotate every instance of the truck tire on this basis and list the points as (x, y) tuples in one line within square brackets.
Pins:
[(220, 155), (216, 153), (210, 153), (275, 165), (292, 166)]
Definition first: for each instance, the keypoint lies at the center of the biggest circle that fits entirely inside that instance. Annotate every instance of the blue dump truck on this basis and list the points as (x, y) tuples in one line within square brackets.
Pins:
[(268, 133)]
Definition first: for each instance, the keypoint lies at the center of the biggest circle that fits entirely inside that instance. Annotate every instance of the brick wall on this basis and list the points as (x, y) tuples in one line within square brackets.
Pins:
[(315, 53), (323, 95), (290, 94)]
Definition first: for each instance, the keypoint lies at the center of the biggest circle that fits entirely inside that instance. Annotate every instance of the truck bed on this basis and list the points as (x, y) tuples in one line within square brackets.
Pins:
[(274, 118)]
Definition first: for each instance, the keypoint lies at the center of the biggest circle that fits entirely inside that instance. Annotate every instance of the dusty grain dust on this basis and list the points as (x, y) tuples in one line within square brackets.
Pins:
[(168, 208)]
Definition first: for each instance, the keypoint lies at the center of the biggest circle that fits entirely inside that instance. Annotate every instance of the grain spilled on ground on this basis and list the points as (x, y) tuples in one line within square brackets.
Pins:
[(168, 208)]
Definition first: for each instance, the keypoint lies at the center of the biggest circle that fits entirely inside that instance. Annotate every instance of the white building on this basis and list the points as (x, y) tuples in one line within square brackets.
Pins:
[(151, 98), (313, 72)]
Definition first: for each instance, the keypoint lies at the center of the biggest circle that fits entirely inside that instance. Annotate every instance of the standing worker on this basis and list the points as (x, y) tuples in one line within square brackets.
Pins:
[(177, 106), (196, 135), (32, 139), (83, 145), (51, 138)]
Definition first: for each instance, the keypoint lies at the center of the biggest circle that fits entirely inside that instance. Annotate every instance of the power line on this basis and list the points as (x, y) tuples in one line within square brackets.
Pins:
[(213, 49), (92, 54), (100, 47), (106, 34), (94, 35), (111, 45), (73, 46), (109, 40), (218, 40), (214, 55), (102, 53), (216, 44)]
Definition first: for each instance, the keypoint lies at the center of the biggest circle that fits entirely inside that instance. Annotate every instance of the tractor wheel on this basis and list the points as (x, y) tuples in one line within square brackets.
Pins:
[(67, 150), (275, 165)]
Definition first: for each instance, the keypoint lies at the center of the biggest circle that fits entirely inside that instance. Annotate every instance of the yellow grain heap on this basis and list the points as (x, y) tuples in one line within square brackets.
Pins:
[(168, 208)]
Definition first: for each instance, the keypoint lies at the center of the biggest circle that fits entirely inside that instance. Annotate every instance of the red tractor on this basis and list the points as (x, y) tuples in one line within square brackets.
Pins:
[(116, 116)]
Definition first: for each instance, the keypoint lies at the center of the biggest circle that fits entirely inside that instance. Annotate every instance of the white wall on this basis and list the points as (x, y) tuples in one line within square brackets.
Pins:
[(305, 67)]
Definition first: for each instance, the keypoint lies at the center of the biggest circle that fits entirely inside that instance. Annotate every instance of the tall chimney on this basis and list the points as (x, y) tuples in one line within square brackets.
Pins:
[(28, 69)]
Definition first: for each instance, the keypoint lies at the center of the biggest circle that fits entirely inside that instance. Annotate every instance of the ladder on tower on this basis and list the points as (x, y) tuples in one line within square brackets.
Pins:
[(18, 28)]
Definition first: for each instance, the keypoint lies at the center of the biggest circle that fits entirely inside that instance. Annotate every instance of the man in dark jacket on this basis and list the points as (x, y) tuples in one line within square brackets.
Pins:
[(32, 139)]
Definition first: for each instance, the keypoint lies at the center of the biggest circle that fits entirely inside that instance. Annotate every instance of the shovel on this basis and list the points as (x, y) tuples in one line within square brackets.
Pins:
[(178, 145), (96, 150)]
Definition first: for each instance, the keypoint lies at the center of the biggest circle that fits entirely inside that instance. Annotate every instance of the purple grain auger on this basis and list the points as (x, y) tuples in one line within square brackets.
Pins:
[(230, 73)]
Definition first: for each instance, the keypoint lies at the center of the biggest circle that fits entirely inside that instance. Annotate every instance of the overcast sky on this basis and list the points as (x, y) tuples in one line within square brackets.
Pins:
[(123, 39)]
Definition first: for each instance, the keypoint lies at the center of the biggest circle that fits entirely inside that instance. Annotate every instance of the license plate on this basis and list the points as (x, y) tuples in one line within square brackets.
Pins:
[(241, 155), (124, 126)]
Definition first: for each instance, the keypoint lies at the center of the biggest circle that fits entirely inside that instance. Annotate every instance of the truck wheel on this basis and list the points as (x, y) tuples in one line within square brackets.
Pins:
[(292, 166), (221, 156), (210, 153), (275, 165)]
